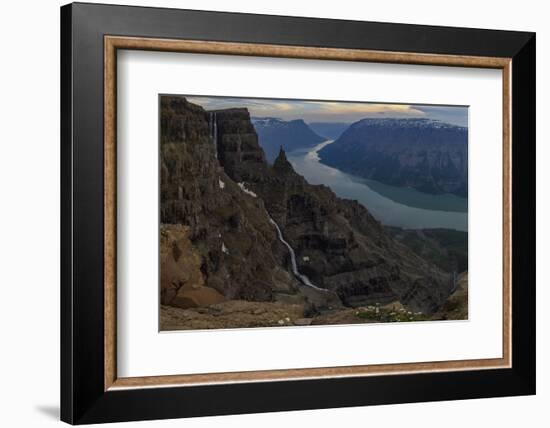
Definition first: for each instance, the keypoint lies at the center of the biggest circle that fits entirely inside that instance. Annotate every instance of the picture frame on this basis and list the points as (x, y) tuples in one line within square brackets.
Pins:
[(91, 390)]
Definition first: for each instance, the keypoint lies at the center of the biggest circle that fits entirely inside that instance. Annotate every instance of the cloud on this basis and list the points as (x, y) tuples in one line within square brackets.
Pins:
[(329, 111), (250, 103), (367, 108)]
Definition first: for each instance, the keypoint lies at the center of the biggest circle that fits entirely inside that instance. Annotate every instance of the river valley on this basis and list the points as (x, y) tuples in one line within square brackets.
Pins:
[(393, 206)]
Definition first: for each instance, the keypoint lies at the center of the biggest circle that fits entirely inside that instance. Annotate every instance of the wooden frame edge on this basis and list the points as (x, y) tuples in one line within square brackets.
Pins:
[(112, 43), (109, 197), (299, 374), (507, 213), (301, 52)]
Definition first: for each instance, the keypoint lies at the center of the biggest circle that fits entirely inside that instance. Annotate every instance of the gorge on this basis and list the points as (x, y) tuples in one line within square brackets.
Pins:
[(240, 236), (394, 206), (291, 135)]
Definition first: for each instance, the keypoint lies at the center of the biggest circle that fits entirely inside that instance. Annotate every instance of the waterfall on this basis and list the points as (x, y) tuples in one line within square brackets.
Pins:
[(301, 277), (213, 130)]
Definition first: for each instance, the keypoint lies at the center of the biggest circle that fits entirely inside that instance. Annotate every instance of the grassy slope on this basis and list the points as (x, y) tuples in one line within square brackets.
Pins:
[(446, 248)]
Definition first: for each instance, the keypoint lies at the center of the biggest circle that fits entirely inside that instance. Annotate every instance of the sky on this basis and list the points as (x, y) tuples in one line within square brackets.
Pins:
[(334, 111)]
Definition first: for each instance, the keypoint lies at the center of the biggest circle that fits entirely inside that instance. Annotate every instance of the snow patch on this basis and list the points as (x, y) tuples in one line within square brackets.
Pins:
[(406, 123), (247, 191), (266, 121)]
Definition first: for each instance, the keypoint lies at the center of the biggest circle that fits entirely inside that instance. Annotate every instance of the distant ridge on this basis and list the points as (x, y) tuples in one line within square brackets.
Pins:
[(330, 130), (274, 133), (428, 155)]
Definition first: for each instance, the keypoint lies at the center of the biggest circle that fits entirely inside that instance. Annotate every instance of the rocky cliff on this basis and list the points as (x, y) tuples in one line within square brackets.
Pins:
[(339, 245), (428, 155), (238, 255)]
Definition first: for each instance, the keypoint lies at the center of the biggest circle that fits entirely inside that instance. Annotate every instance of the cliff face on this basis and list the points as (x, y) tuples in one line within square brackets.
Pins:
[(238, 149), (339, 245), (238, 253), (428, 155)]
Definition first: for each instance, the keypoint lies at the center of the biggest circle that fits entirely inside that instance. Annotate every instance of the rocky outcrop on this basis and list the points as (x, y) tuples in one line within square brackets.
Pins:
[(182, 282), (456, 306), (237, 250), (238, 150), (428, 155)]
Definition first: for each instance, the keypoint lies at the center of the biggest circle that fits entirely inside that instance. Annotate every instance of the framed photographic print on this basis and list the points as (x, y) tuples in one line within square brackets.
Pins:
[(265, 213)]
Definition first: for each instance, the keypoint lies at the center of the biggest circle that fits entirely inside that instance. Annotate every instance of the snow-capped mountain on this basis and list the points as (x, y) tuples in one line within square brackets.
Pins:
[(429, 155), (423, 123), (291, 135)]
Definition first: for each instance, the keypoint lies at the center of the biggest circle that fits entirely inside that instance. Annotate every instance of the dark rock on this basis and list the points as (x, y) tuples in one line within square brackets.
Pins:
[(281, 164), (238, 252), (348, 251)]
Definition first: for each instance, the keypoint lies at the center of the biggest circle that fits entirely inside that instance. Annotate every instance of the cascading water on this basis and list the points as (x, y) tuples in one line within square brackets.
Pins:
[(213, 128), (301, 277)]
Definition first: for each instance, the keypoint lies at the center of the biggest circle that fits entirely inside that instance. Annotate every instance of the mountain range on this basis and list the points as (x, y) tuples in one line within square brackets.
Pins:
[(275, 133), (428, 155), (329, 130)]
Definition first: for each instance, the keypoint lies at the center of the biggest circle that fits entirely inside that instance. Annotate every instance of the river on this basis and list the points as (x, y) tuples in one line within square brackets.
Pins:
[(392, 206)]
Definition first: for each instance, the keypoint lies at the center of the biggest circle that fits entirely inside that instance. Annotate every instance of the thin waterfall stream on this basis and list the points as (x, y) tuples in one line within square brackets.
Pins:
[(213, 128), (213, 131), (301, 277)]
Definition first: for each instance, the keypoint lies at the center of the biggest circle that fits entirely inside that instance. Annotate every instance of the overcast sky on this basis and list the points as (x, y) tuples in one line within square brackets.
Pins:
[(332, 111)]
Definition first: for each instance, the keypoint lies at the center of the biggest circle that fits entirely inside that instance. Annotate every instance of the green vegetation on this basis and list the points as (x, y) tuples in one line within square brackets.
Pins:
[(383, 314), (446, 248)]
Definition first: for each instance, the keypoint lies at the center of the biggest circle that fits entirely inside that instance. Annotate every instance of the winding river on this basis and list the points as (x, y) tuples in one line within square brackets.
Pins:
[(393, 206)]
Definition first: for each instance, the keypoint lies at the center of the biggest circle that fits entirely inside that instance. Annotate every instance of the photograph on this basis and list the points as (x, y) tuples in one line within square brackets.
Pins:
[(263, 211), (295, 213)]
